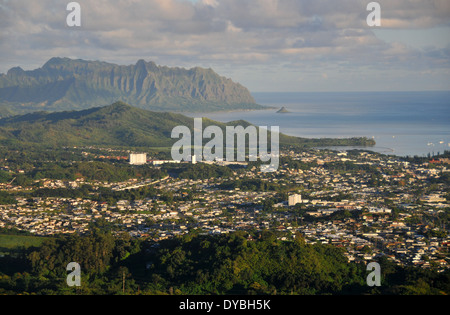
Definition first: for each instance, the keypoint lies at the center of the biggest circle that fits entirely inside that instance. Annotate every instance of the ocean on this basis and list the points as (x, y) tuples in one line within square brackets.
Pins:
[(401, 123)]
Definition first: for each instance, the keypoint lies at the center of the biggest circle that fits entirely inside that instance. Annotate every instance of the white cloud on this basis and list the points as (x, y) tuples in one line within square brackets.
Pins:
[(224, 33)]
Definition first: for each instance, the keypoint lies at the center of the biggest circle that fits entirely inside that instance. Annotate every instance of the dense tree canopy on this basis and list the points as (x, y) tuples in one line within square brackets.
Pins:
[(236, 263)]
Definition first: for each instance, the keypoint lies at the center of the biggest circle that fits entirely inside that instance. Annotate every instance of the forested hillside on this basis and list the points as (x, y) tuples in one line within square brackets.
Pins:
[(238, 263)]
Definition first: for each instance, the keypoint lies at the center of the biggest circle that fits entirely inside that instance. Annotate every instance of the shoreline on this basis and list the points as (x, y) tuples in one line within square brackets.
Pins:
[(191, 114), (398, 126), (379, 150)]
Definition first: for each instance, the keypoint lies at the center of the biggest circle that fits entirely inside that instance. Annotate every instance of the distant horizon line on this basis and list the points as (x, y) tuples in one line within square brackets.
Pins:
[(378, 91)]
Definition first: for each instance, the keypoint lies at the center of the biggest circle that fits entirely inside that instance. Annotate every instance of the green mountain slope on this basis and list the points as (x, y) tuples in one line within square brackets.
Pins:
[(115, 125), (67, 84), (120, 125)]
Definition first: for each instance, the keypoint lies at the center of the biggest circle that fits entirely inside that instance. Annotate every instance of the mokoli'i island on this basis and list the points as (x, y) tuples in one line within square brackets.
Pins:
[(283, 110)]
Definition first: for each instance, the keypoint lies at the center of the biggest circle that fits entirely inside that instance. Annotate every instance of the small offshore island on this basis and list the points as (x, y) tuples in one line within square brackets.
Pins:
[(283, 110)]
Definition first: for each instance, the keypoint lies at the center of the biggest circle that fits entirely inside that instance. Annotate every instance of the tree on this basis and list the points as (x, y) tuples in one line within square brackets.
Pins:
[(268, 205)]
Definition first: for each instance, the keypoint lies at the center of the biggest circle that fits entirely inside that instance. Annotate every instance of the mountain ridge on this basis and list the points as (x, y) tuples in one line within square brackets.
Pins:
[(76, 84), (121, 125)]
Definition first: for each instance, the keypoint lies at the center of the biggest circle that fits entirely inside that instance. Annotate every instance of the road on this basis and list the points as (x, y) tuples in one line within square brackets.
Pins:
[(142, 184)]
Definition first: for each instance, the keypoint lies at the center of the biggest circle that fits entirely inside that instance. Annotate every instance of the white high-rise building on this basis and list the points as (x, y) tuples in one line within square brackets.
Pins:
[(294, 199), (138, 158)]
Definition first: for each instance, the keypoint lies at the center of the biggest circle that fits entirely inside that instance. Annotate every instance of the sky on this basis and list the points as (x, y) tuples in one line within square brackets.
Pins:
[(266, 45)]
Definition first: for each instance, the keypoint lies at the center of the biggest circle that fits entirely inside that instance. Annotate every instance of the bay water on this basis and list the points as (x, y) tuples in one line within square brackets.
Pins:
[(401, 123)]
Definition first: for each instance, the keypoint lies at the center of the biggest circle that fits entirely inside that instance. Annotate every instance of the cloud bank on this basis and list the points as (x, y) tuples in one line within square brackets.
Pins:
[(264, 44)]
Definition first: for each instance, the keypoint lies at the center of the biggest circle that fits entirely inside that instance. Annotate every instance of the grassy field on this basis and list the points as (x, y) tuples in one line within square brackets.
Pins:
[(11, 242)]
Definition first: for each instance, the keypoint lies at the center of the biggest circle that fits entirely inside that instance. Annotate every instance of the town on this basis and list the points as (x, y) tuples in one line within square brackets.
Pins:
[(368, 204)]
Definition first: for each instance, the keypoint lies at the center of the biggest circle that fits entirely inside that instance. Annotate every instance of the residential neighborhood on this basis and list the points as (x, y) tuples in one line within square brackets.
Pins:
[(368, 204)]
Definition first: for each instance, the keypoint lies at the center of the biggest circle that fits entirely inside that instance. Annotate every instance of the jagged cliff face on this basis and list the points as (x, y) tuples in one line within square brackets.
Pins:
[(66, 84)]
